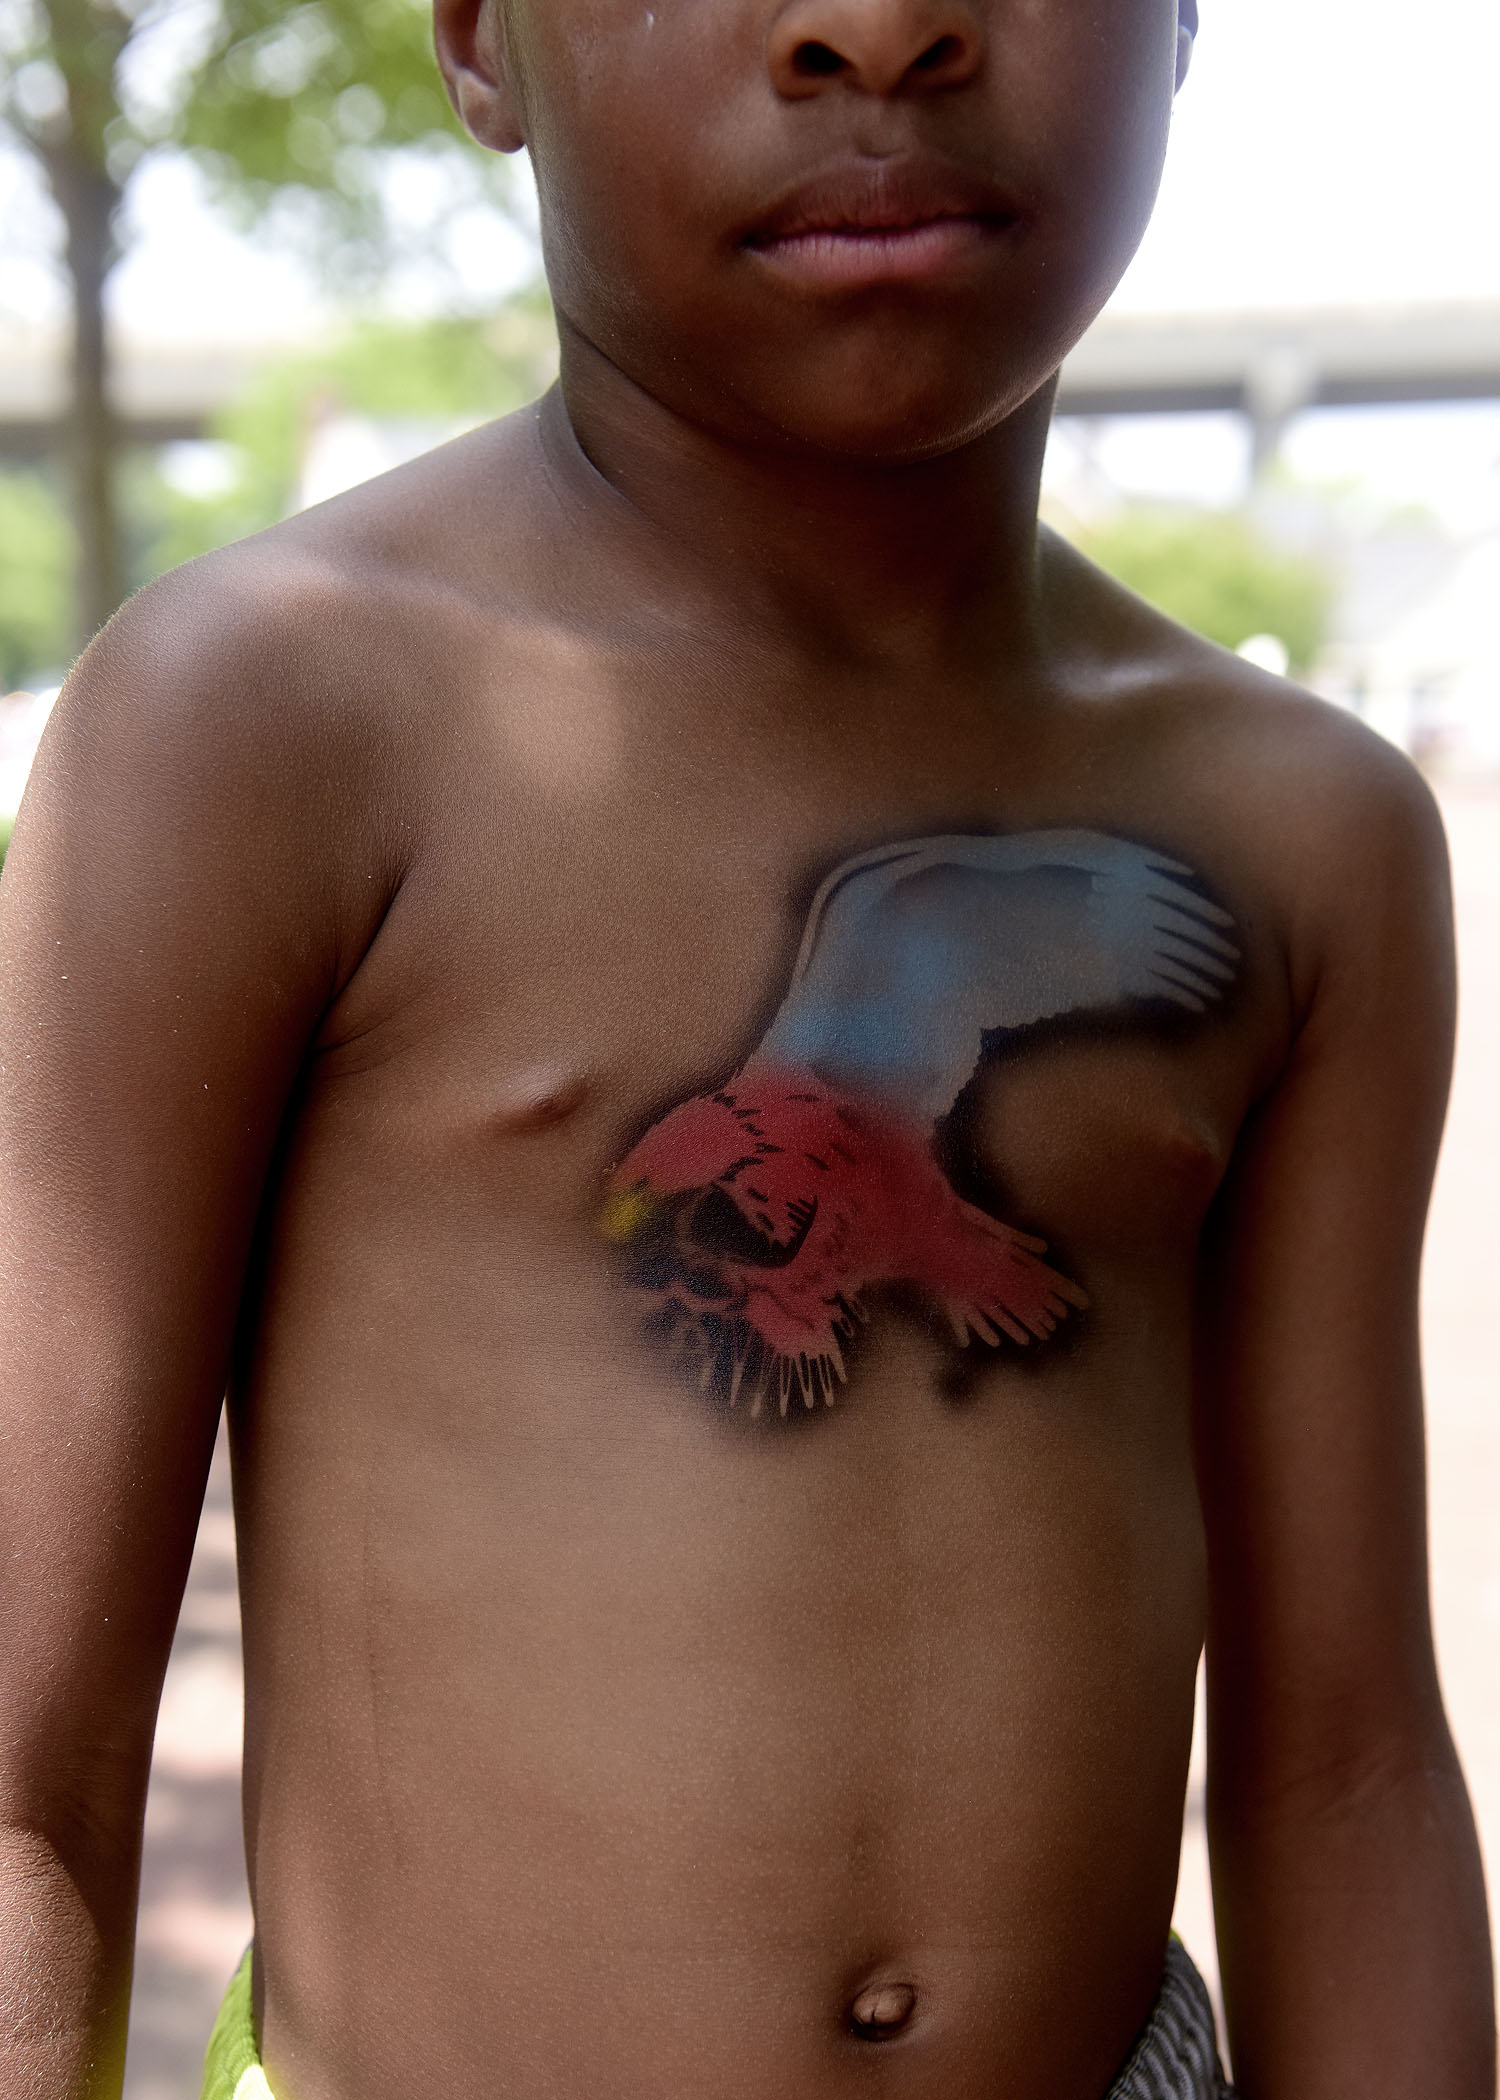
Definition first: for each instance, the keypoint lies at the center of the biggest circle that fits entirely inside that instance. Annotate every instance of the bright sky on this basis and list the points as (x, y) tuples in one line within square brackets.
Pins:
[(1328, 151)]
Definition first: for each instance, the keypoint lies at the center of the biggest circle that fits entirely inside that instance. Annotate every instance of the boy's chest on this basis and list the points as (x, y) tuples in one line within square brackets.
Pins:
[(762, 1049)]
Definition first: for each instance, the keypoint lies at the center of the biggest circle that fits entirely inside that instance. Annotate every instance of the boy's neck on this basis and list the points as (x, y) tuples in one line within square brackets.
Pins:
[(915, 565)]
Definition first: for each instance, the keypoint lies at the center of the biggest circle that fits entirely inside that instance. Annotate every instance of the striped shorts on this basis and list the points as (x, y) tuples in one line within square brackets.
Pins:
[(1177, 2054), (1175, 2058)]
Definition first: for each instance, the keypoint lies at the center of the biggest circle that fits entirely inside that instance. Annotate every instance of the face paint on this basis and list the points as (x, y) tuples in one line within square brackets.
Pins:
[(752, 1218)]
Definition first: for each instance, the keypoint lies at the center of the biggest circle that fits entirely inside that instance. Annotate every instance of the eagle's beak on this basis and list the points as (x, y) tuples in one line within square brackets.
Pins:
[(625, 1211)]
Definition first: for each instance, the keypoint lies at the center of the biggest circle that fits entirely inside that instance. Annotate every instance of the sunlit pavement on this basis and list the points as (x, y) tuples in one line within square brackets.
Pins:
[(194, 1915)]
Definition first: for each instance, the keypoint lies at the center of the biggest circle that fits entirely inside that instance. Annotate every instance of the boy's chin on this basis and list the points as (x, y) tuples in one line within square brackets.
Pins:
[(876, 396), (894, 412)]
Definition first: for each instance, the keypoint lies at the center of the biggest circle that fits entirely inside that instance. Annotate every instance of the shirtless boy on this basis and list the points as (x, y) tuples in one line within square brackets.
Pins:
[(801, 1135)]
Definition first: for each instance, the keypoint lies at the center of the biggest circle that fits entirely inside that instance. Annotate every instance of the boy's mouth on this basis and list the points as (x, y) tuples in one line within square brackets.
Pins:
[(881, 221)]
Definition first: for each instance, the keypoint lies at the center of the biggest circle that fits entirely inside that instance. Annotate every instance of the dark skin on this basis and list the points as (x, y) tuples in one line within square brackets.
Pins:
[(383, 877)]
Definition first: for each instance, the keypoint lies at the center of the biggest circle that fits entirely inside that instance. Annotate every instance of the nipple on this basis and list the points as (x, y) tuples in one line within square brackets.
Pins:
[(540, 1098), (882, 2010)]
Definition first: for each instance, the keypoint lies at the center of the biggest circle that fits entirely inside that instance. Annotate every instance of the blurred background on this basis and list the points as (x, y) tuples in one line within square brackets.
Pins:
[(246, 260)]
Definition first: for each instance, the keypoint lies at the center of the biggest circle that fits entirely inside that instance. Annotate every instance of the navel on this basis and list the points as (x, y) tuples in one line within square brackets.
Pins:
[(882, 2010)]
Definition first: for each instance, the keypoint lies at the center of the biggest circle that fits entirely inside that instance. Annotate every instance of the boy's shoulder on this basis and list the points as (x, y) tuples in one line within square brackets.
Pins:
[(1321, 801), (332, 586), (1309, 819), (323, 646), (255, 726)]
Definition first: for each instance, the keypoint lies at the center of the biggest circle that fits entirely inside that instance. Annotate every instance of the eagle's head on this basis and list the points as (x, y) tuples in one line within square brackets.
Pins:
[(709, 1207), (711, 1171)]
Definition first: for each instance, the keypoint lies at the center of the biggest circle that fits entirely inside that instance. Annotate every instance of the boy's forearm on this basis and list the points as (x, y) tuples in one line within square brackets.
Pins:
[(64, 1975), (1354, 1941)]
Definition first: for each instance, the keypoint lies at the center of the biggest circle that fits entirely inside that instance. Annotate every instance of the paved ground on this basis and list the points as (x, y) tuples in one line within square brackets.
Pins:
[(194, 1914)]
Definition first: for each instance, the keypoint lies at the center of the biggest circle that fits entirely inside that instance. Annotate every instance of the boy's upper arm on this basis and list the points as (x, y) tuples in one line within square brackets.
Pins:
[(1310, 1409), (173, 921)]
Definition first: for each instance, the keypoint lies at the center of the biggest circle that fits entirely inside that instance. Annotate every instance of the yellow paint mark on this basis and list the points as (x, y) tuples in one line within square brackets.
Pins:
[(625, 1212)]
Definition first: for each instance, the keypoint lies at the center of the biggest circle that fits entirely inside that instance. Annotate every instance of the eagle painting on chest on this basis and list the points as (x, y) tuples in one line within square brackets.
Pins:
[(753, 1216)]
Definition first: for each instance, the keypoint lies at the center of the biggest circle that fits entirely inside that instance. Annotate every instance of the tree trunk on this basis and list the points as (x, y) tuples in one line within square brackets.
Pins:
[(93, 433), (85, 40)]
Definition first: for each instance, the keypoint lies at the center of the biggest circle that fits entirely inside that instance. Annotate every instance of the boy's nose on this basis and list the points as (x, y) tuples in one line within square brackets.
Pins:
[(878, 46)]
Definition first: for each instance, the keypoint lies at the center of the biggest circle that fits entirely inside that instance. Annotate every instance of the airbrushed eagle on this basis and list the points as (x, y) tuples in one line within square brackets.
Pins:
[(755, 1215)]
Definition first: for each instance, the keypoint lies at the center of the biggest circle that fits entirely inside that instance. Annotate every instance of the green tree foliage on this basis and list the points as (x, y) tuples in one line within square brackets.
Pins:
[(300, 112), (36, 563), (1215, 572), (311, 99)]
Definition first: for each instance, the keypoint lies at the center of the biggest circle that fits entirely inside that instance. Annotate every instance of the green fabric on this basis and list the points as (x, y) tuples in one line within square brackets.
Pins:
[(231, 2069)]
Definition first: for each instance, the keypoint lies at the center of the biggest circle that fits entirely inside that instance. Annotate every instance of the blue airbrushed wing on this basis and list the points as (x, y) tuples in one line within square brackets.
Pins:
[(915, 952)]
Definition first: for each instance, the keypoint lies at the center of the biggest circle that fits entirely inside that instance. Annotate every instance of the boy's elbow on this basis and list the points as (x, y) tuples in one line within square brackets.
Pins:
[(1346, 1765)]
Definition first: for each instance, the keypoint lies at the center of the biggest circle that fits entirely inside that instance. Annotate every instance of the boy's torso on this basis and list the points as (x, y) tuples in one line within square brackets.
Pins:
[(603, 1735)]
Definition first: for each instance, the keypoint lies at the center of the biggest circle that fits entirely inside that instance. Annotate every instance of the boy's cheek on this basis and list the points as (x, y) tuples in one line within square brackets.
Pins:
[(1086, 115), (596, 66)]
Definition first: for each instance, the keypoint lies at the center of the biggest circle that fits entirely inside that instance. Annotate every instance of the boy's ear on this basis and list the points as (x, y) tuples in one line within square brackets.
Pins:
[(1187, 29), (469, 36)]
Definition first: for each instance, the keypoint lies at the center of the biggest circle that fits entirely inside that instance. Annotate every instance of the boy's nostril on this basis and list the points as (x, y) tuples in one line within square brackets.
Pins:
[(813, 60), (938, 55)]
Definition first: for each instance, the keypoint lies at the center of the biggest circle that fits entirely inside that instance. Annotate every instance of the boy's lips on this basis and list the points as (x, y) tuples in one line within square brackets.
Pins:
[(872, 222)]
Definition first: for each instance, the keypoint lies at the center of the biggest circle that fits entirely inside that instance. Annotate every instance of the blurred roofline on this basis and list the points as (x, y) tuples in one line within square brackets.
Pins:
[(1267, 363), (1262, 363)]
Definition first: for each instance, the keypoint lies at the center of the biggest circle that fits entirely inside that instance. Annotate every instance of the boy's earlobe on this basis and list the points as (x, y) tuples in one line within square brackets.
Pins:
[(470, 41), (1187, 30)]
